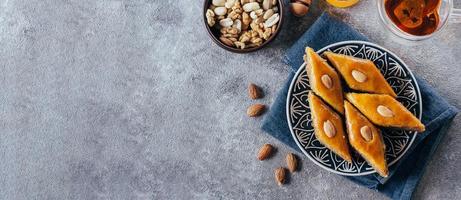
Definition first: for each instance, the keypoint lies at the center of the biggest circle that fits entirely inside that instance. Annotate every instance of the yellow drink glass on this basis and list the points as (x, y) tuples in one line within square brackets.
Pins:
[(342, 3)]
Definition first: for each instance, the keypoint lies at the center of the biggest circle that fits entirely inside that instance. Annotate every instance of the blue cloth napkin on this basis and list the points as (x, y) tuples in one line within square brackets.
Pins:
[(437, 114)]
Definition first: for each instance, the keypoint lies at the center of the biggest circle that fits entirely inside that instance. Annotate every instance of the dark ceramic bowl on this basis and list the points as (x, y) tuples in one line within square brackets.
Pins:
[(214, 32)]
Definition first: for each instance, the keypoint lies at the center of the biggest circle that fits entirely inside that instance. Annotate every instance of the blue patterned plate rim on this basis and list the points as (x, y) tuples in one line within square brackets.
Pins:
[(339, 44)]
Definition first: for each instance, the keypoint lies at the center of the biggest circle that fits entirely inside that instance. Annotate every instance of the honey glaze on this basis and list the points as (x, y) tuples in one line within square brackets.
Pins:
[(416, 17)]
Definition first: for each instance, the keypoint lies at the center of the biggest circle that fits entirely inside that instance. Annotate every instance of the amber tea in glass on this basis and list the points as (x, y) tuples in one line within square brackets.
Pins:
[(417, 20), (416, 17)]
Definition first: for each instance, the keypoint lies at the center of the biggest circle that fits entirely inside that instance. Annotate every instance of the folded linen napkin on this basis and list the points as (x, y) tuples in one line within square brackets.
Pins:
[(437, 114)]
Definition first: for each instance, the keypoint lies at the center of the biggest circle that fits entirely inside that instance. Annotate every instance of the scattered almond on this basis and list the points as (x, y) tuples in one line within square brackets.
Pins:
[(256, 110), (300, 8), (254, 92), (280, 175), (292, 162), (384, 111), (265, 152)]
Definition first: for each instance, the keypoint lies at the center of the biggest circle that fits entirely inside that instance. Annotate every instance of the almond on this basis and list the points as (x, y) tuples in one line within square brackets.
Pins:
[(254, 92), (292, 162), (226, 41), (299, 9), (256, 110), (365, 131), (265, 152), (268, 14), (280, 175), (359, 76), (329, 129), (384, 111), (327, 82)]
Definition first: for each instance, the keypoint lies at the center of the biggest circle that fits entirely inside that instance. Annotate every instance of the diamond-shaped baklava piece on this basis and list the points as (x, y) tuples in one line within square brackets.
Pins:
[(324, 80), (383, 110), (328, 127), (366, 139), (360, 74)]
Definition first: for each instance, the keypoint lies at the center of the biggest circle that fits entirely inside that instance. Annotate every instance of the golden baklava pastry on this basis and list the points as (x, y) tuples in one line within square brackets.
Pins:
[(383, 110), (328, 127), (324, 80), (360, 74), (366, 139)]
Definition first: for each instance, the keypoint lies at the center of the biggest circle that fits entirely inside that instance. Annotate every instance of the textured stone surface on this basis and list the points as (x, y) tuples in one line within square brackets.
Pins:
[(130, 99)]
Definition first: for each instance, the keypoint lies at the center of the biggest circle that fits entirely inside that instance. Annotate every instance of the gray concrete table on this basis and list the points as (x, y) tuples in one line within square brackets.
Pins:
[(130, 99)]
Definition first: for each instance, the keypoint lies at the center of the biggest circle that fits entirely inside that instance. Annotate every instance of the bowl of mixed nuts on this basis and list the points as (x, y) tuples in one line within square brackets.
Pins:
[(243, 26)]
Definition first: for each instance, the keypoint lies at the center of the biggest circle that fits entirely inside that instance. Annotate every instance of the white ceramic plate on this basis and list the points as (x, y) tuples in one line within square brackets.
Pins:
[(397, 142)]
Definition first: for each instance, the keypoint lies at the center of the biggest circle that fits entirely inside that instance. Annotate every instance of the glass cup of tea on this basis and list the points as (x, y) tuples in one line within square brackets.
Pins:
[(417, 19)]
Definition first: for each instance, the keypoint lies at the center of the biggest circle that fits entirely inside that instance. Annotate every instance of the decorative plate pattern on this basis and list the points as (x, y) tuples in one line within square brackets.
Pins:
[(397, 142)]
